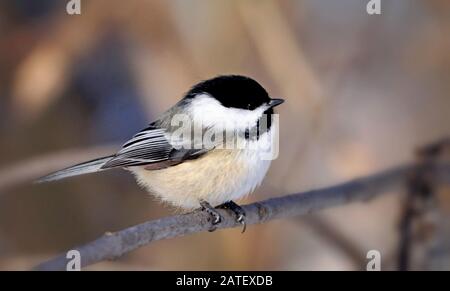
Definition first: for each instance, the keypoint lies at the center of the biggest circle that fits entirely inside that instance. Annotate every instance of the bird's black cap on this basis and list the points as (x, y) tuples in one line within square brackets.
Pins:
[(233, 91)]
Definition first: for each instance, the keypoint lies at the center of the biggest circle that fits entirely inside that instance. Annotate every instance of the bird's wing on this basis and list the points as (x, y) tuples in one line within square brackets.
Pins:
[(150, 147)]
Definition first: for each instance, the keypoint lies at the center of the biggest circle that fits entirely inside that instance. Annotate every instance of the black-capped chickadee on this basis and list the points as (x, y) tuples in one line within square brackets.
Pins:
[(216, 156)]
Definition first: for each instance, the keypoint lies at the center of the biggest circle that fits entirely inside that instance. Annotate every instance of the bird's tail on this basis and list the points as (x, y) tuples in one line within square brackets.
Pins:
[(80, 169)]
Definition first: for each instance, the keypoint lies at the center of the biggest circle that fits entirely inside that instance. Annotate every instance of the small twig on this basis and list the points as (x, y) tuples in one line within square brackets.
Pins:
[(114, 245), (419, 200), (419, 191)]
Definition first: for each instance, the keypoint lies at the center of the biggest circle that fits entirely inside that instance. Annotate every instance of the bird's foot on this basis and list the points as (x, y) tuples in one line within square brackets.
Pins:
[(237, 210), (215, 216)]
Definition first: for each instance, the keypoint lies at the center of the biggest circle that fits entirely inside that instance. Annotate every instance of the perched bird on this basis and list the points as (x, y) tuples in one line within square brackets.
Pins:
[(180, 166)]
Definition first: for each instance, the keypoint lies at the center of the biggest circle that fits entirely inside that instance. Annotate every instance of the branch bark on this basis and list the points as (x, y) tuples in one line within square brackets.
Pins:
[(113, 245)]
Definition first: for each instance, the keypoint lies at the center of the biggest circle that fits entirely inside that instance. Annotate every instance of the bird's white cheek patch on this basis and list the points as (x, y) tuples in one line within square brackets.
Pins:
[(210, 113)]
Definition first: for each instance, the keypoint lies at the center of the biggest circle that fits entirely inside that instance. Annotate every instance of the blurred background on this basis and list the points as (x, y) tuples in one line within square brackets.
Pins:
[(362, 93)]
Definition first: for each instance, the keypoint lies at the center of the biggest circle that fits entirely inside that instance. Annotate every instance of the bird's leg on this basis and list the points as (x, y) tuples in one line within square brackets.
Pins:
[(237, 210), (216, 218)]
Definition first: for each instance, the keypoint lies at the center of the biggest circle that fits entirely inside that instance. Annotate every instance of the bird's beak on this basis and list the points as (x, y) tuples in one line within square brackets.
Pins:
[(275, 102)]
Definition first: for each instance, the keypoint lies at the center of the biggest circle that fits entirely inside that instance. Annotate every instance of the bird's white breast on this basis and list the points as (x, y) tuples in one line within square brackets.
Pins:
[(217, 177)]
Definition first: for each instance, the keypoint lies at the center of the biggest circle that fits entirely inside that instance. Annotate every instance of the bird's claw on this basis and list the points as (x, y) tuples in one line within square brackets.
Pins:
[(238, 211), (215, 216)]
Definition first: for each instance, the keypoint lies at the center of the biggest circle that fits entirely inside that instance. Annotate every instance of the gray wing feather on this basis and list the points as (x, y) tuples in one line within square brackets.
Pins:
[(150, 146)]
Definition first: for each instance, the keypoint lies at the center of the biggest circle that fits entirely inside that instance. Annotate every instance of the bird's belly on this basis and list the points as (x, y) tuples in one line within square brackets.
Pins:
[(216, 177)]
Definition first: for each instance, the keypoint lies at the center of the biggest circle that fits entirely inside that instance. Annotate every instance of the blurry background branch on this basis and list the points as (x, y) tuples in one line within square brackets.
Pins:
[(419, 225), (34, 168), (114, 245)]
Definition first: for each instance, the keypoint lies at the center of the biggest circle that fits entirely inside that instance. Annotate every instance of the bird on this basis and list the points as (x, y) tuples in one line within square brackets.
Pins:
[(179, 166)]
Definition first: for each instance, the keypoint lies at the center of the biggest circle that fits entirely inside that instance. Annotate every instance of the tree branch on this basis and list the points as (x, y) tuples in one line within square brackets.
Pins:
[(113, 245)]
